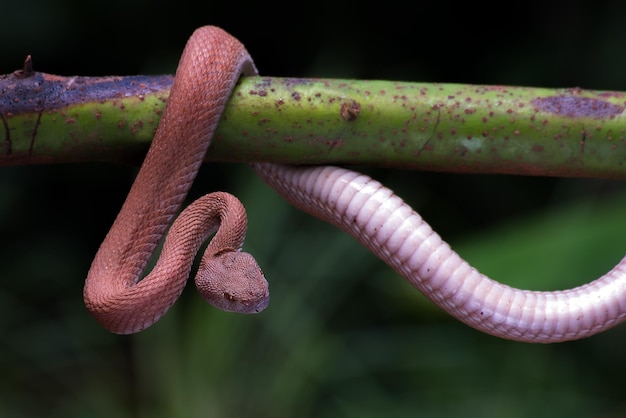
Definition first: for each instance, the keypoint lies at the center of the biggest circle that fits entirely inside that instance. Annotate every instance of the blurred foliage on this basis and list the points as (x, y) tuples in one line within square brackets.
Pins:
[(344, 336)]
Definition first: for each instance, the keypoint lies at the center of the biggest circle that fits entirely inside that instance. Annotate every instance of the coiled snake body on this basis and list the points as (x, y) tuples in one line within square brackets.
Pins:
[(209, 68)]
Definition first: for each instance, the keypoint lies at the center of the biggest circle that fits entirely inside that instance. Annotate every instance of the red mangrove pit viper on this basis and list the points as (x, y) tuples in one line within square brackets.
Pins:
[(210, 66)]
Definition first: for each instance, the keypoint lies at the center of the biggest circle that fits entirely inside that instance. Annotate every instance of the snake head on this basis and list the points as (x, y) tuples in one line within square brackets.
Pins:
[(233, 282)]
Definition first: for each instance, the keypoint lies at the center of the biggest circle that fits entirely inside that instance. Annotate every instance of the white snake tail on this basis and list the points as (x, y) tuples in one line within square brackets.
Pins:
[(387, 226)]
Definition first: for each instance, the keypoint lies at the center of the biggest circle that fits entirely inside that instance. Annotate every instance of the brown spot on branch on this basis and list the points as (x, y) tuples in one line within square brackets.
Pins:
[(350, 110)]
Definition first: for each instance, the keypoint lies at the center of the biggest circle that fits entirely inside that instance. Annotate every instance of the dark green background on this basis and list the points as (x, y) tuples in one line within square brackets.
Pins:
[(344, 336)]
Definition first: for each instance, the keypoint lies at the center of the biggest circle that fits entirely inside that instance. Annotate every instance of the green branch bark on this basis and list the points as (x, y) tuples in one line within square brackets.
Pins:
[(426, 126)]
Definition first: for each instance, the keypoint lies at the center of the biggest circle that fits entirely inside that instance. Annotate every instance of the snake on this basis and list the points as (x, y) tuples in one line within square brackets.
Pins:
[(123, 301)]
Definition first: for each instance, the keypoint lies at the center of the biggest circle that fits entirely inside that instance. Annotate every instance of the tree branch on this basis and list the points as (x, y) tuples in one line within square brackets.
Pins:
[(426, 126)]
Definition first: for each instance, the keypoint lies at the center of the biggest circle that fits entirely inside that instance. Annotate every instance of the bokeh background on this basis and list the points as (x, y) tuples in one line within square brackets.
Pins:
[(344, 336)]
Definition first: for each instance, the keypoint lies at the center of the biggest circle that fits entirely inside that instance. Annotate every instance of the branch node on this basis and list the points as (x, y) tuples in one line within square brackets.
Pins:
[(27, 71)]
